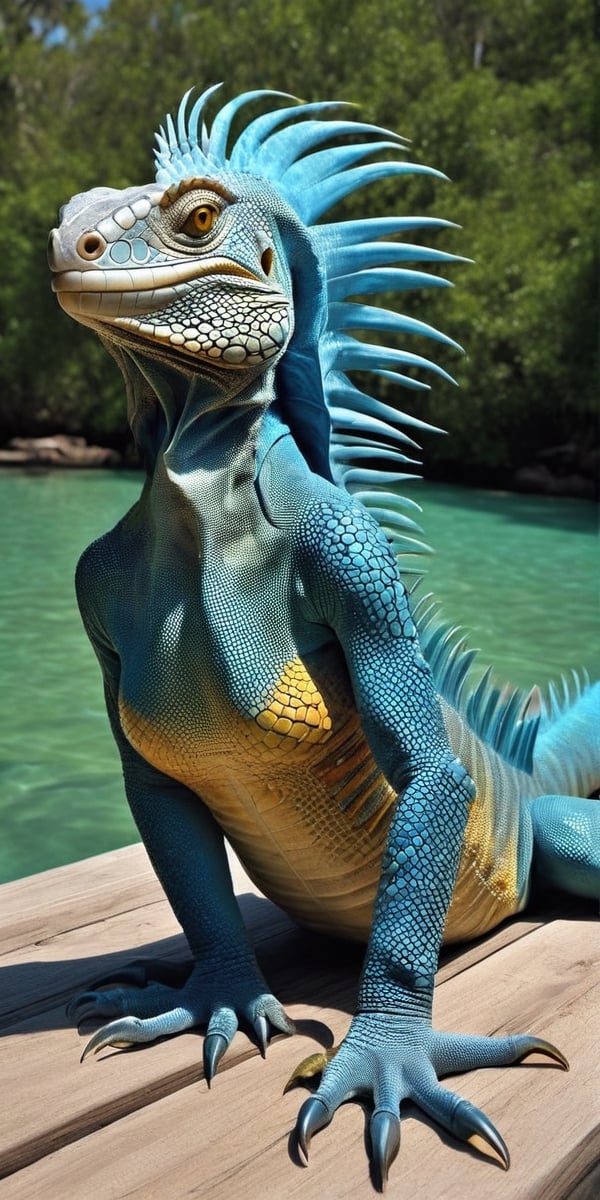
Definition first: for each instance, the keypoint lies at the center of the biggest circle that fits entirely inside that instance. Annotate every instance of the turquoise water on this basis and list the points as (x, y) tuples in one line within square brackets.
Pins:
[(520, 572)]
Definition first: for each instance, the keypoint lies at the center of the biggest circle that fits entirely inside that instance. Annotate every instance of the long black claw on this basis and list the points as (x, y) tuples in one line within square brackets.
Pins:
[(541, 1046), (313, 1115), (261, 1029), (128, 1031), (385, 1144), (215, 1046), (469, 1122)]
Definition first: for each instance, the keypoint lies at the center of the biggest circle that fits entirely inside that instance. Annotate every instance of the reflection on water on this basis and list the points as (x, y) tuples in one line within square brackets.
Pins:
[(520, 572)]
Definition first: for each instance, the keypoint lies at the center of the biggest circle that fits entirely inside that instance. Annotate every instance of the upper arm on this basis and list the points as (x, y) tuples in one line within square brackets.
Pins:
[(354, 586), (91, 587), (96, 578)]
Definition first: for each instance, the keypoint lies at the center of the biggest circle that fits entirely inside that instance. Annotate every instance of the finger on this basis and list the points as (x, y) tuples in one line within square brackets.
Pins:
[(277, 1016), (452, 1053), (97, 1004), (384, 1128), (313, 1115), (462, 1119), (133, 1031)]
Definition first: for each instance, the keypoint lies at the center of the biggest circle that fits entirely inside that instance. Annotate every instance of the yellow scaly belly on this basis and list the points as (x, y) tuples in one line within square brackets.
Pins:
[(297, 793)]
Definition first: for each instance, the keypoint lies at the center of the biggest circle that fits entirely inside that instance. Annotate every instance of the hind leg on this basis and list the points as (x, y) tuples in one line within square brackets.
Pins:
[(566, 852)]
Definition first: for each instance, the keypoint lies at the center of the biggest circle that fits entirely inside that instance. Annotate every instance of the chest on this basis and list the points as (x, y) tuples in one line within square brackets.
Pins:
[(213, 655)]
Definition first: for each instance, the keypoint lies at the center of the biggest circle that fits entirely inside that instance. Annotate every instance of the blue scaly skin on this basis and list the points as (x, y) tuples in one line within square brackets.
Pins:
[(263, 673)]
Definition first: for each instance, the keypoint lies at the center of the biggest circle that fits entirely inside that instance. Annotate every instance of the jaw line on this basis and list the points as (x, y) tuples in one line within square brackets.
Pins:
[(164, 351), (124, 332), (108, 311)]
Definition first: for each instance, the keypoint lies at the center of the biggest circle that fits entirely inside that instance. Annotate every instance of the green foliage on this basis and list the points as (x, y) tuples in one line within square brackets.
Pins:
[(500, 94)]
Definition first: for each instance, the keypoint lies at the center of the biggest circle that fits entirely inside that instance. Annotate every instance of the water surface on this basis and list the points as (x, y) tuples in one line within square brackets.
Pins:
[(520, 572)]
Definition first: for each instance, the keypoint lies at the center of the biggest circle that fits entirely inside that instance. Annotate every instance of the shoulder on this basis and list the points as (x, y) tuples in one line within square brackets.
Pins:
[(349, 562), (102, 574), (340, 531), (318, 515), (99, 565), (346, 564)]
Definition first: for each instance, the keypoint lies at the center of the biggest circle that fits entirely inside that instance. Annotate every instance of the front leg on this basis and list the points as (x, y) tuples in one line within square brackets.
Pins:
[(391, 1052), (225, 985), (187, 850)]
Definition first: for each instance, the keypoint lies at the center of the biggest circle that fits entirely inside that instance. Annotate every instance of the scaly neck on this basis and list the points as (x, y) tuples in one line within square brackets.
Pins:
[(202, 487)]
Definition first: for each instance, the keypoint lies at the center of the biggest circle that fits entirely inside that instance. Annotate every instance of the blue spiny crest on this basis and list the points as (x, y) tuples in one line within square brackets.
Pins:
[(347, 435), (367, 442)]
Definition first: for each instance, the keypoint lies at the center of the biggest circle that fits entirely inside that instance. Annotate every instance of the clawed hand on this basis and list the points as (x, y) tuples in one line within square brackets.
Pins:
[(147, 1008), (389, 1059)]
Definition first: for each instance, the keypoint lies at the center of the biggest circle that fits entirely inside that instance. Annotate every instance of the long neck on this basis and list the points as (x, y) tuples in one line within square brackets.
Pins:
[(202, 485)]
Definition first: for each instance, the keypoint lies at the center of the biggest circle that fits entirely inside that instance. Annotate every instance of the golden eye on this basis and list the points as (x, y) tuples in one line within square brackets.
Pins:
[(201, 220)]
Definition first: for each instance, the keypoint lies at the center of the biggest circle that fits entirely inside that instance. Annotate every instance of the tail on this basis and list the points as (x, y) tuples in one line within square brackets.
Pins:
[(567, 746), (531, 758)]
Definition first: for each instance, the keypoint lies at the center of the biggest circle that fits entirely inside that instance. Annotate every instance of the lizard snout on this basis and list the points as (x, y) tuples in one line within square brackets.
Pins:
[(53, 246)]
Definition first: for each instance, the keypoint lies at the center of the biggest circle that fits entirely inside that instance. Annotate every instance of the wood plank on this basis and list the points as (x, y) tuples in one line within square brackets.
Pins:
[(54, 1100), (42, 905), (51, 902), (588, 1188), (34, 912), (233, 1142), (89, 918)]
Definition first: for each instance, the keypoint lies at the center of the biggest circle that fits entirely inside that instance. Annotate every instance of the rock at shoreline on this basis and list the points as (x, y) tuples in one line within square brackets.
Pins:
[(60, 450), (568, 470)]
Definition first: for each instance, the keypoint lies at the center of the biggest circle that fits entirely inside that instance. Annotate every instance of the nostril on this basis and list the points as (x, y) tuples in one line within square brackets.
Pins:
[(266, 261), (91, 245)]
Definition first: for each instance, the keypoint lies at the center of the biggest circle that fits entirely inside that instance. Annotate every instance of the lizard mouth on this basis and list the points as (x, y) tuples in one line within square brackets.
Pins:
[(217, 312), (148, 279)]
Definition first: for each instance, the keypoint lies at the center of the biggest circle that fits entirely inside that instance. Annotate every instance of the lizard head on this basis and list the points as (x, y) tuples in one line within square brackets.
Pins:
[(193, 274), (223, 269)]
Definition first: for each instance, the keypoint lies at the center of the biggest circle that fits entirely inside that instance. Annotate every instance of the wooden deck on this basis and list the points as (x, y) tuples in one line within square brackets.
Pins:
[(143, 1125)]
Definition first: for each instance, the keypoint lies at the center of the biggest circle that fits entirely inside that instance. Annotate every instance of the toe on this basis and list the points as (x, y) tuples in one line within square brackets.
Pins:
[(462, 1119)]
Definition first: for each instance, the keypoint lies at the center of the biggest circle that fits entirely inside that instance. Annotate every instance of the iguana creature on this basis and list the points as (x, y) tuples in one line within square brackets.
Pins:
[(263, 673)]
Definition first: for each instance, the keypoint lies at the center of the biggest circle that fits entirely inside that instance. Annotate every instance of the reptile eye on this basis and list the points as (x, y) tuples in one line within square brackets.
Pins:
[(201, 220)]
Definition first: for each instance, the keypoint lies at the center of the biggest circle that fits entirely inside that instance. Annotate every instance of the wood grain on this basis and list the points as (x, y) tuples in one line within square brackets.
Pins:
[(143, 1124)]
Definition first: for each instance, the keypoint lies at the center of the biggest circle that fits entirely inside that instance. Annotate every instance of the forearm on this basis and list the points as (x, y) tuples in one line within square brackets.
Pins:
[(417, 878), (187, 850)]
